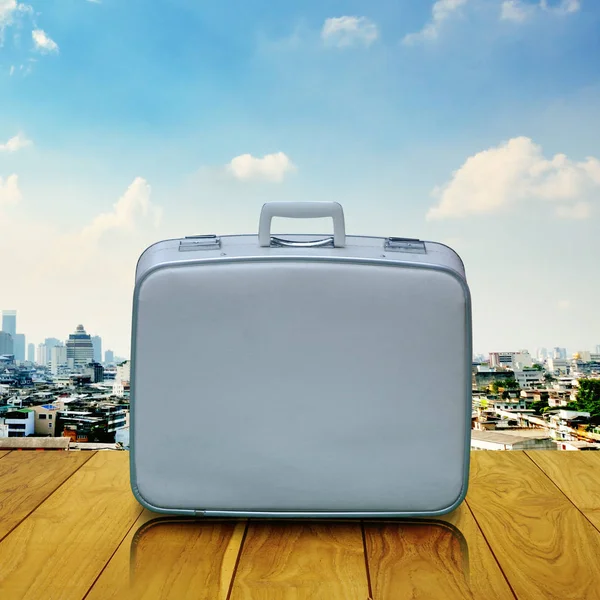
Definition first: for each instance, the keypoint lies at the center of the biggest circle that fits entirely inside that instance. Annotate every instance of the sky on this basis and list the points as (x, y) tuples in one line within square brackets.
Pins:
[(474, 123)]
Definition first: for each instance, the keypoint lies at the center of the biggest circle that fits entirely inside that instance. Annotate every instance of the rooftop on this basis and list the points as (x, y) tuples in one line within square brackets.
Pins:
[(529, 529)]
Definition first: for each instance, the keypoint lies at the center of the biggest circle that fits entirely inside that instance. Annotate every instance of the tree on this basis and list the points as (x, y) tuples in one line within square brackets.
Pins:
[(588, 396), (537, 367), (510, 384)]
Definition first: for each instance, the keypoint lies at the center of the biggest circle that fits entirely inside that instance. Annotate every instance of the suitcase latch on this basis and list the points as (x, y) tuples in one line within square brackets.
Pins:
[(396, 244), (199, 242)]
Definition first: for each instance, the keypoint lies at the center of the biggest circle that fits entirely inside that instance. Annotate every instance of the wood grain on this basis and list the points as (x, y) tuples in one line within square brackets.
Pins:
[(544, 545), (179, 560), (486, 580), (114, 581), (577, 474), (301, 561), (416, 560), (28, 478), (61, 548), (4, 453), (443, 558)]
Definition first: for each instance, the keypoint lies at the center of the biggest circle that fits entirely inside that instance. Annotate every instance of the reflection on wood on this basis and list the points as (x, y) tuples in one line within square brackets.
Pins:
[(180, 559), (301, 561), (425, 560)]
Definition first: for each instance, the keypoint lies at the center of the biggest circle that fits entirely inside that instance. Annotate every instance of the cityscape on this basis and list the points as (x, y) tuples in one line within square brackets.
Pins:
[(71, 395), (62, 394)]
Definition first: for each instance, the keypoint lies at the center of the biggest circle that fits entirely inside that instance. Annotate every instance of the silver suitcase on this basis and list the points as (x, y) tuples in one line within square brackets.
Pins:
[(304, 376)]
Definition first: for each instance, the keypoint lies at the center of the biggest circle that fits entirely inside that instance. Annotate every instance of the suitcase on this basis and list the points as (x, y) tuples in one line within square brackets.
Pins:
[(300, 376)]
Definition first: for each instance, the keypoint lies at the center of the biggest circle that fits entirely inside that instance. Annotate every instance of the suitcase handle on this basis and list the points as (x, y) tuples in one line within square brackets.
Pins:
[(301, 210)]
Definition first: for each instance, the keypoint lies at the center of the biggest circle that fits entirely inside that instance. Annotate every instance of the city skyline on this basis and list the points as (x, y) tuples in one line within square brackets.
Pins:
[(470, 124)]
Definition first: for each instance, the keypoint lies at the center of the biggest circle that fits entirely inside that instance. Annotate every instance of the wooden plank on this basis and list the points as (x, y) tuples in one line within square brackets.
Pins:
[(28, 478), (4, 453), (446, 558), (172, 558), (286, 560), (61, 548), (408, 560), (544, 545), (577, 474)]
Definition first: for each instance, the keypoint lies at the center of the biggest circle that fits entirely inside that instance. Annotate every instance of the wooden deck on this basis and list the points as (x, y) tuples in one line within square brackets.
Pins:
[(71, 529)]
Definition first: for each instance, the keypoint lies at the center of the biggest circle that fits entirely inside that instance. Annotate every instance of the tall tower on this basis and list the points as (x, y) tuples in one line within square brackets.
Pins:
[(97, 344), (31, 352), (9, 322), (80, 351)]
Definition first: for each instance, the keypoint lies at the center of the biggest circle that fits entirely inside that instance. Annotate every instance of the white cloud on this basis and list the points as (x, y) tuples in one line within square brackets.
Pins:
[(15, 143), (441, 11), (515, 10), (131, 208), (513, 172), (348, 31), (9, 190), (10, 11), (271, 167), (519, 11), (43, 42)]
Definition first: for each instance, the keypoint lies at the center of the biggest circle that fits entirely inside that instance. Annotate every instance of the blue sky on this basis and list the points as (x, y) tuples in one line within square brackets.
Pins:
[(472, 122)]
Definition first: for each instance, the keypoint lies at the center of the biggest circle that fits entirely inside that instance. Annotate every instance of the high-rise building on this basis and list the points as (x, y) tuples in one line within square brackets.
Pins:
[(19, 347), (31, 352), (542, 354), (9, 322), (50, 343), (80, 351), (42, 355), (109, 357), (95, 371), (559, 353), (598, 349), (97, 344), (6, 343), (58, 359)]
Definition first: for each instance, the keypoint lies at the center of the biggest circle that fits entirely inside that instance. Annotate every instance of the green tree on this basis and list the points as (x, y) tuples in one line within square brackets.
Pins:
[(588, 396)]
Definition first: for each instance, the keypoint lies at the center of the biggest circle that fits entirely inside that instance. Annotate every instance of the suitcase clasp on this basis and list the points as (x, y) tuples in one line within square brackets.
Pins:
[(396, 244), (200, 242)]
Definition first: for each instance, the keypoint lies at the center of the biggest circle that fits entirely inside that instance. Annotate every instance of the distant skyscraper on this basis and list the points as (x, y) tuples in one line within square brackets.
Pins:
[(80, 351), (598, 349), (109, 357), (6, 343), (31, 352), (9, 322), (560, 353), (58, 358), (42, 355), (19, 347), (542, 354), (50, 343), (97, 344)]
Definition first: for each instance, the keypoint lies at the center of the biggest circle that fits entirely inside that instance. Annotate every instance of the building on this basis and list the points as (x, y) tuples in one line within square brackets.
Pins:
[(500, 440), (559, 353), (542, 354), (92, 423), (511, 360), (45, 419), (21, 422), (9, 322), (96, 372), (97, 345), (529, 378), (80, 351), (19, 347), (31, 353), (558, 365), (42, 355), (58, 360), (109, 357), (6, 343)]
